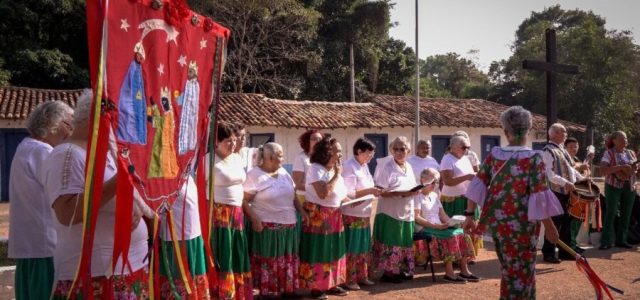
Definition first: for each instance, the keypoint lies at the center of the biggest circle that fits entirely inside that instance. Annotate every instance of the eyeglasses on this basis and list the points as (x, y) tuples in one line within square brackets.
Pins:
[(69, 126), (403, 149), (465, 148)]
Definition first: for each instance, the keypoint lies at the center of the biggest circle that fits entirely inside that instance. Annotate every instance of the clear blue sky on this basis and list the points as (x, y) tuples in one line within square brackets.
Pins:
[(490, 25)]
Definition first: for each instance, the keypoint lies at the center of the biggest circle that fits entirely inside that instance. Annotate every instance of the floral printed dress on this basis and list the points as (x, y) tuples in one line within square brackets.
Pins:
[(511, 187)]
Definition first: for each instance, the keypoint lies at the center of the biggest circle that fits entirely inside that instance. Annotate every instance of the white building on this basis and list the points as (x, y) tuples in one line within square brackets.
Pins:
[(381, 119)]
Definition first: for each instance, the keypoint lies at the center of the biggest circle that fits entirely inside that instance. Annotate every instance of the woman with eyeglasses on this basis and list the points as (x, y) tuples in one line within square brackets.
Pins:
[(393, 226), (449, 244), (357, 216), (457, 172)]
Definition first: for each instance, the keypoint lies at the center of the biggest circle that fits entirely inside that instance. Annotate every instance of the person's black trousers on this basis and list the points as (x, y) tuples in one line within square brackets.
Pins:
[(563, 224)]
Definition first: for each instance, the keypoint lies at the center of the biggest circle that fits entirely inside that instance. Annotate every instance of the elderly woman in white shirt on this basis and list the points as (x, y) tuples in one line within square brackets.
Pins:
[(32, 237), (229, 240), (449, 244), (64, 179), (271, 206), (394, 222), (322, 248), (357, 216), (457, 172)]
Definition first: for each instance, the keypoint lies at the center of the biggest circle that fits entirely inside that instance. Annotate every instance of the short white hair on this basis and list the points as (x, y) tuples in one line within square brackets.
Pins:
[(461, 133), (46, 118), (423, 142), (268, 150), (402, 140), (82, 112), (516, 120), (555, 127), (457, 140), (430, 174)]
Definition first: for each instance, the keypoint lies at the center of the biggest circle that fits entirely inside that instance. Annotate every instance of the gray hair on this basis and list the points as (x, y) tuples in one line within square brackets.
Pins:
[(430, 174), (457, 140), (46, 118), (83, 108), (516, 120), (461, 133), (403, 140), (267, 150), (423, 142), (555, 127)]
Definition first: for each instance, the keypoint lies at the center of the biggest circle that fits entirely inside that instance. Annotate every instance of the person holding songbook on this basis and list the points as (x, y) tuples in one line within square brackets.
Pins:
[(394, 221), (356, 216)]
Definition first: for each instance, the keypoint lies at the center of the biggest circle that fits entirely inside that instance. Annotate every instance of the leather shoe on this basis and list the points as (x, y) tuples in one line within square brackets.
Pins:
[(552, 260), (405, 276), (624, 245), (579, 250), (390, 278)]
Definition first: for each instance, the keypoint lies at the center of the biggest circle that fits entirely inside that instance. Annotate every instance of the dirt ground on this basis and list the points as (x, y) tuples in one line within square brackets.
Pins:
[(563, 281)]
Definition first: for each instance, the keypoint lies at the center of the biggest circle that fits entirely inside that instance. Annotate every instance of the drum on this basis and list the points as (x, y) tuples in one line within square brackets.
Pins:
[(580, 199)]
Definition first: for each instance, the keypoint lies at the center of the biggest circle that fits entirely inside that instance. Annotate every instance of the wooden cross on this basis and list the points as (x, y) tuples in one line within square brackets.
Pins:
[(551, 67)]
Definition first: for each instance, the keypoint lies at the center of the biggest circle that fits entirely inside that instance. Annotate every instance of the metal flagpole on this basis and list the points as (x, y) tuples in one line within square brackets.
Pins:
[(417, 121)]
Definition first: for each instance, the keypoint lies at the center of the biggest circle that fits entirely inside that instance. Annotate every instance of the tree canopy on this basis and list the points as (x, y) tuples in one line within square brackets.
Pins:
[(604, 95)]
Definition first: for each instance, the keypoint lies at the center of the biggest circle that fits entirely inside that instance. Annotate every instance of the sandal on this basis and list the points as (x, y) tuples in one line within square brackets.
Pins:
[(457, 279), (366, 282), (337, 291), (319, 295), (352, 286)]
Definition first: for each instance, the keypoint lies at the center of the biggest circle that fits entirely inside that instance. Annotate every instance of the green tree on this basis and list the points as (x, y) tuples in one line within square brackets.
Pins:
[(271, 45), (396, 69), (602, 96), (360, 24), (43, 43), (455, 74)]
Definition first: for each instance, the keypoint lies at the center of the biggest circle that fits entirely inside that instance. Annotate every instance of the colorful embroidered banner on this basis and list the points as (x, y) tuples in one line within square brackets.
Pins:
[(155, 67)]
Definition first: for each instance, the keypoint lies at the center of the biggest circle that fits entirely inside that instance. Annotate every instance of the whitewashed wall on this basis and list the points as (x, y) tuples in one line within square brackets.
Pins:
[(288, 137)]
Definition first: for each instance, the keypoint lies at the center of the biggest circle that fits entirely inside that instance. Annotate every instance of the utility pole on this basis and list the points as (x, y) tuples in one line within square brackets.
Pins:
[(417, 121)]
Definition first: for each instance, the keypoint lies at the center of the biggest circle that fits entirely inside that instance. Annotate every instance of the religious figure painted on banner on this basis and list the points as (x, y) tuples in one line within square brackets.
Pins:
[(163, 162), (132, 104), (190, 99)]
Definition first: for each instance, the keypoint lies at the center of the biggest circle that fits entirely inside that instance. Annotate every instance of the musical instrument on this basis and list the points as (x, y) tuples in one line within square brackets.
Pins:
[(581, 199), (625, 174)]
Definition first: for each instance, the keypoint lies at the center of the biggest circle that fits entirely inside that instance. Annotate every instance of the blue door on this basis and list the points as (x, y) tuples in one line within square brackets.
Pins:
[(487, 142), (439, 145), (9, 141), (382, 149)]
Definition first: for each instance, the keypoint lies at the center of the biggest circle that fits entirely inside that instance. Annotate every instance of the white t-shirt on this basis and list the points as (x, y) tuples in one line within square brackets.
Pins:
[(357, 177), (187, 201), (317, 173), (31, 232), (301, 164), (429, 206), (418, 164), (391, 177), (63, 172), (460, 167), (228, 178), (273, 201)]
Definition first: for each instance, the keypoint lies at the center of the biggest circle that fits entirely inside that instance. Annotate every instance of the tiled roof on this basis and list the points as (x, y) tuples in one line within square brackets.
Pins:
[(257, 110), (438, 112), (16, 103)]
